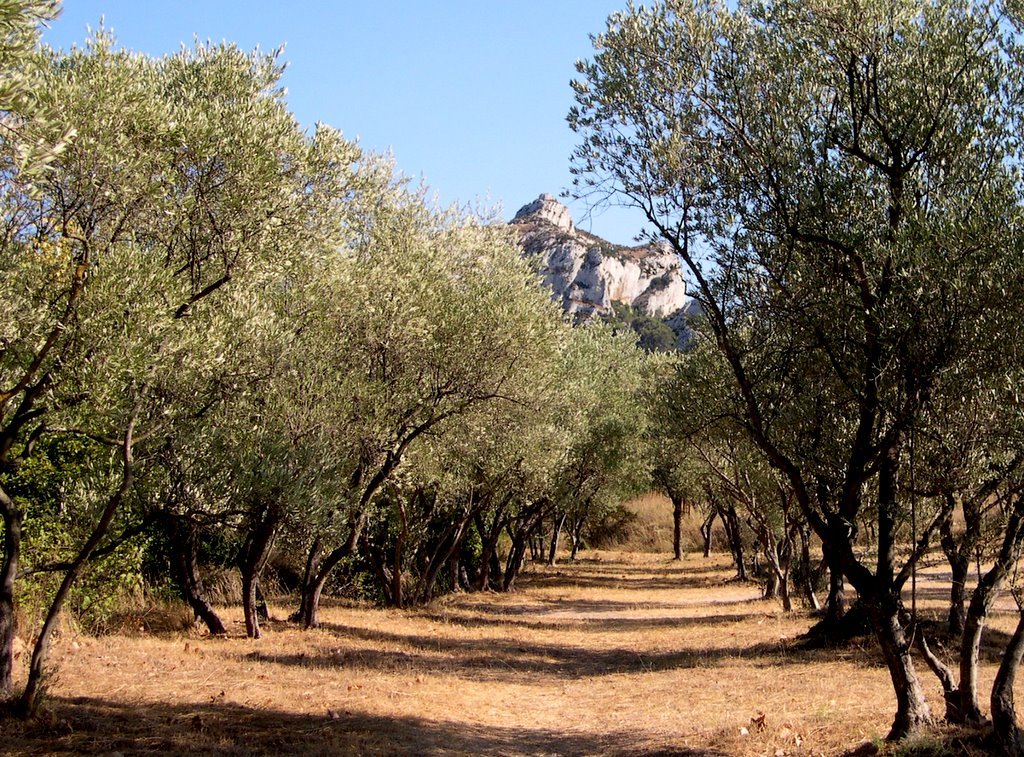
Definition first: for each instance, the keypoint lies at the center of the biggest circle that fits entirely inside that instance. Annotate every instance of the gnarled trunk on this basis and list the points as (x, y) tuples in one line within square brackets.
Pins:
[(771, 586), (516, 558), (254, 557), (488, 577), (950, 690), (959, 558), (446, 553), (912, 709), (707, 530), (835, 604), (734, 533), (807, 575), (313, 559), (1006, 734), (982, 599), (314, 585), (956, 619), (185, 551)]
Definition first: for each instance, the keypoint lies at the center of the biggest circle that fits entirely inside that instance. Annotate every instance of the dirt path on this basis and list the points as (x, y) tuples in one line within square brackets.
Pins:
[(617, 654)]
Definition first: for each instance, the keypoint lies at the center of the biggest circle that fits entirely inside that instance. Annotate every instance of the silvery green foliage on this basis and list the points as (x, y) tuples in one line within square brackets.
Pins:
[(874, 226), (187, 175), (842, 180), (140, 270), (27, 152)]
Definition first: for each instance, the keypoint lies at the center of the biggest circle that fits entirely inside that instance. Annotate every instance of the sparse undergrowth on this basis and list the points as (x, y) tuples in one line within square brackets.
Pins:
[(619, 653)]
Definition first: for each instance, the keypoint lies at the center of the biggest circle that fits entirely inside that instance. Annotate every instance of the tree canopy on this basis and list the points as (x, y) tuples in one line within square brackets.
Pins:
[(841, 180)]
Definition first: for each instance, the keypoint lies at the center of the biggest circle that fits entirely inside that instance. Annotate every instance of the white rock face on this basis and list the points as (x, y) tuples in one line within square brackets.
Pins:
[(547, 208), (588, 274)]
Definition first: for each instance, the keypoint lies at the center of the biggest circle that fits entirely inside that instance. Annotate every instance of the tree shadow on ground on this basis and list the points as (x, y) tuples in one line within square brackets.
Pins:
[(689, 566), (91, 726), (545, 607), (563, 620), (947, 647), (514, 660), (641, 581)]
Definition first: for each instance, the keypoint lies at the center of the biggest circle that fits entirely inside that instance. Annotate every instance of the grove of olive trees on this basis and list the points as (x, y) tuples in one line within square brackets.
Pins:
[(225, 336), (841, 179), (232, 345)]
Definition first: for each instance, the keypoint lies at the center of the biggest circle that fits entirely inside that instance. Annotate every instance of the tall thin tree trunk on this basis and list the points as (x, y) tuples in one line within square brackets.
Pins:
[(555, 535), (29, 698), (8, 572), (677, 527)]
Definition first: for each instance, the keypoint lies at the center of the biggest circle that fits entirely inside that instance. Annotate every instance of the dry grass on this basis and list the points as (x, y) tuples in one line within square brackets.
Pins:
[(617, 654), (652, 529)]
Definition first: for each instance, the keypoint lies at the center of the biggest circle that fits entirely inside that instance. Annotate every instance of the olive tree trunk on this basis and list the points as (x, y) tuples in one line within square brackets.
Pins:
[(982, 600), (912, 709), (677, 528), (320, 571), (254, 558), (556, 534), (185, 549), (707, 531), (959, 558), (8, 572), (1006, 734), (29, 701)]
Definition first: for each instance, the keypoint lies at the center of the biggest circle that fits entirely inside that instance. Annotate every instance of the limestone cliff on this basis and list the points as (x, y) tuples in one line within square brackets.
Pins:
[(587, 274)]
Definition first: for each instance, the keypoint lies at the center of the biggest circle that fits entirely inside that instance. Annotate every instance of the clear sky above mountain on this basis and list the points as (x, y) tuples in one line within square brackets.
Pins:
[(470, 95)]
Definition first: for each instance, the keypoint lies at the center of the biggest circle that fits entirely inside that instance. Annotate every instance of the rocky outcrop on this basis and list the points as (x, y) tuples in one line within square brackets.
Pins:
[(587, 274)]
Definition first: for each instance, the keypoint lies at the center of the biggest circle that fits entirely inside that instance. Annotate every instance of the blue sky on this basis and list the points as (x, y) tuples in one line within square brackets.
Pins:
[(470, 95)]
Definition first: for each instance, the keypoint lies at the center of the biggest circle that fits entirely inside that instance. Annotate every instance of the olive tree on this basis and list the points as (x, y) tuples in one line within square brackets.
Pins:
[(442, 317), (838, 179), (187, 179)]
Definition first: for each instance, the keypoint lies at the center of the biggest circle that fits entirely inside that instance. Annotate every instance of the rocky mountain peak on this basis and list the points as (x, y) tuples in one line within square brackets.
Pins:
[(547, 208), (588, 274)]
